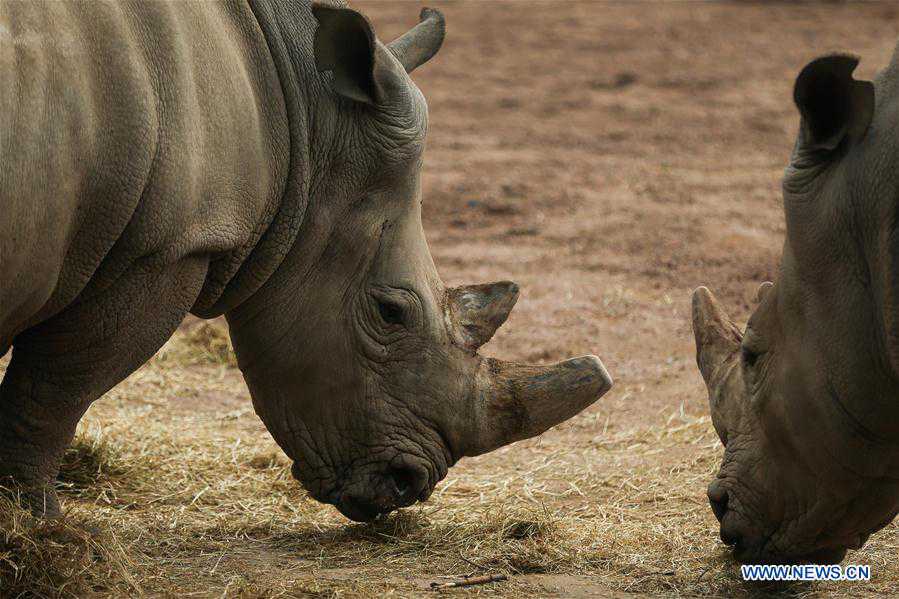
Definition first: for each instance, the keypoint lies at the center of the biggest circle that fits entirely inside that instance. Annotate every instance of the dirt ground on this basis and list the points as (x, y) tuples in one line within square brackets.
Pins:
[(607, 157)]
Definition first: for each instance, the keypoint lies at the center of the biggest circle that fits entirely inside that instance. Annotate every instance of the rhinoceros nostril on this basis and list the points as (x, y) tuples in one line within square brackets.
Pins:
[(407, 484), (718, 500)]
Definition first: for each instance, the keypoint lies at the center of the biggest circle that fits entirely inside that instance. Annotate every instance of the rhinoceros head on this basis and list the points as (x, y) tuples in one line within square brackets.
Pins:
[(806, 400), (362, 365)]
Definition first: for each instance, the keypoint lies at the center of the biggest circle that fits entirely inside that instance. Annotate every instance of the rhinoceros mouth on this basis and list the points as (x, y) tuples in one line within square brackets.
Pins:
[(367, 495), (361, 511), (358, 511), (766, 551)]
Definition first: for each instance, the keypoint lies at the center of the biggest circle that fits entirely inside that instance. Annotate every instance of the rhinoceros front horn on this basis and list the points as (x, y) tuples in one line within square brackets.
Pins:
[(419, 44), (717, 337), (517, 401), (718, 342)]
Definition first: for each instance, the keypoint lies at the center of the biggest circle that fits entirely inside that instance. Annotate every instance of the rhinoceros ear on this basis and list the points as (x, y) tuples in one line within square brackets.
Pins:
[(345, 44), (834, 106)]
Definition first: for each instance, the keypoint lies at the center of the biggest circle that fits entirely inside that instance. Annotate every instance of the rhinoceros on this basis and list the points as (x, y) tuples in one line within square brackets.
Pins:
[(806, 399), (259, 160)]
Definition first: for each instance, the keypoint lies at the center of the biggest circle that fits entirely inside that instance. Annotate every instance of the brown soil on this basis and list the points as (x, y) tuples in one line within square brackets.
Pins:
[(609, 158)]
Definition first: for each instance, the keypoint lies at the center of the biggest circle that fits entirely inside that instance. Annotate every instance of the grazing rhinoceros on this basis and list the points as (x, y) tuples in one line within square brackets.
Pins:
[(806, 400), (259, 160)]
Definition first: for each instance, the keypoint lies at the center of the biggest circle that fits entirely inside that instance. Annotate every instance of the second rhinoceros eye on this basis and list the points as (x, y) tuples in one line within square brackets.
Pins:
[(749, 356), (751, 348)]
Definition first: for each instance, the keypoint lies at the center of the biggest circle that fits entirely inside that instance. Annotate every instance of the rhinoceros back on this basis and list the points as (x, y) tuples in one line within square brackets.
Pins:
[(130, 131)]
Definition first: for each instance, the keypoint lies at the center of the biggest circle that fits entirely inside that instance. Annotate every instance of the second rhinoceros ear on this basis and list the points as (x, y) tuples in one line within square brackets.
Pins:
[(834, 106), (345, 44)]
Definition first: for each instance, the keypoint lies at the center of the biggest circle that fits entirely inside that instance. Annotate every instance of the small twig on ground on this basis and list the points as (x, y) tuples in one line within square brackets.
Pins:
[(471, 563), (469, 582)]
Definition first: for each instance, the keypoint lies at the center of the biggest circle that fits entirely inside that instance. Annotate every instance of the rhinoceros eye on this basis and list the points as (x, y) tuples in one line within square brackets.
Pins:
[(749, 356), (752, 347), (394, 305), (390, 312)]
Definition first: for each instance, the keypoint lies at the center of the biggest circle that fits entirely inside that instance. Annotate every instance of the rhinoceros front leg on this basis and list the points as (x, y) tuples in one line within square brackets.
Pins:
[(37, 422), (61, 366)]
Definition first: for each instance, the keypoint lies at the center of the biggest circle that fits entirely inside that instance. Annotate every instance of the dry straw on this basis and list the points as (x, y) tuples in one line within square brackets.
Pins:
[(173, 487)]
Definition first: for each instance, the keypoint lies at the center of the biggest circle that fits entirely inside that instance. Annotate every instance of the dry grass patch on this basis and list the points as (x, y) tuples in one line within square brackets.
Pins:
[(67, 557), (90, 466), (173, 486), (205, 342)]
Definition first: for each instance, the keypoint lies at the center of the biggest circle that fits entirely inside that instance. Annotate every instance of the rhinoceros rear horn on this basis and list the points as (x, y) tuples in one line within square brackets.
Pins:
[(418, 45), (481, 309), (519, 401)]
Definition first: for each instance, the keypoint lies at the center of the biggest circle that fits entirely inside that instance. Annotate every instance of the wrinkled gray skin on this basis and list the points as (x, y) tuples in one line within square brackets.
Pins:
[(806, 400), (262, 162)]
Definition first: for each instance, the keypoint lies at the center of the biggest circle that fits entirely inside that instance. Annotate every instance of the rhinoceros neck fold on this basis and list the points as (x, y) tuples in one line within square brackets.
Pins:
[(288, 34)]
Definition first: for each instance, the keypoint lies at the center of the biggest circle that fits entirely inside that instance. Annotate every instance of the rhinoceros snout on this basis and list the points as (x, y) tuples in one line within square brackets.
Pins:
[(383, 493)]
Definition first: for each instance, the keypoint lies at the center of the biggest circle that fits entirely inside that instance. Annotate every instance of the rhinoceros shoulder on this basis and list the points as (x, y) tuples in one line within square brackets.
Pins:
[(132, 131)]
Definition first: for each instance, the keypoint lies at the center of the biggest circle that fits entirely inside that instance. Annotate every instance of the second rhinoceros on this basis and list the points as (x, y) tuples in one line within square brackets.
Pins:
[(259, 160), (805, 398)]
